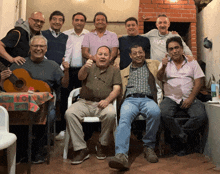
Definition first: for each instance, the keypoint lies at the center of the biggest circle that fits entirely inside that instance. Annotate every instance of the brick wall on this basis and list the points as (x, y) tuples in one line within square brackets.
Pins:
[(180, 11)]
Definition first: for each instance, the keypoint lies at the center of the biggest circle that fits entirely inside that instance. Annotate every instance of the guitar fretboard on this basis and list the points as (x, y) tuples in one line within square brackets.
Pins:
[(12, 78)]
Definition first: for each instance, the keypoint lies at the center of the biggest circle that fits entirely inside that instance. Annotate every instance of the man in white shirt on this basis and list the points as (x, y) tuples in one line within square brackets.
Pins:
[(76, 35)]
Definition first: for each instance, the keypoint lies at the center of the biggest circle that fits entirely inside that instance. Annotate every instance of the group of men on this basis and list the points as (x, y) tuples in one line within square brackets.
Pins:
[(149, 63)]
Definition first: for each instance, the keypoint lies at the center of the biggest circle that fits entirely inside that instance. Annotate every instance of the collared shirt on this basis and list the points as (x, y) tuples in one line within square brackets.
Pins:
[(75, 60), (138, 81), (93, 41), (99, 84), (179, 83), (54, 33)]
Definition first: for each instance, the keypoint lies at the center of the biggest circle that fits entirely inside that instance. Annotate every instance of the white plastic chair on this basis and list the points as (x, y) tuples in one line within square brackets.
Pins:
[(73, 94), (7, 140)]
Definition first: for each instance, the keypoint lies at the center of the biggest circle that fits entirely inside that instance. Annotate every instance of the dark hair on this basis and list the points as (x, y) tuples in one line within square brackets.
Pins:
[(57, 13), (100, 13), (110, 51), (131, 19), (79, 13), (135, 46), (174, 39), (162, 15)]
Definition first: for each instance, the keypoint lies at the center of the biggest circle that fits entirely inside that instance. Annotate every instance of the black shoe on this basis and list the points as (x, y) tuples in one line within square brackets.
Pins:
[(119, 161), (100, 151), (81, 156), (39, 159), (183, 137)]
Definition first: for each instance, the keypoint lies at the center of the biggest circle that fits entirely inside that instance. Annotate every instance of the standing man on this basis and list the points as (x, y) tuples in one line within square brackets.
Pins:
[(101, 36), (76, 35), (158, 39), (15, 45), (101, 86), (140, 97), (125, 42), (182, 82)]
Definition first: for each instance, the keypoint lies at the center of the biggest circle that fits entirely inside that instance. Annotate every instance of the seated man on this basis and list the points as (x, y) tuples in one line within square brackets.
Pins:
[(182, 82), (45, 70), (140, 93), (100, 86)]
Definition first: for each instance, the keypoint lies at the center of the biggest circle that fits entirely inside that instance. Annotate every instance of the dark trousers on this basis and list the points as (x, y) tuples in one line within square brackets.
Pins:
[(74, 82), (196, 113)]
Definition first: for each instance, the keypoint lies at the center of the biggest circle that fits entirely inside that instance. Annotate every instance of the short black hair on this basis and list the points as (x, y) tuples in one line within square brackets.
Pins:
[(135, 46), (110, 51), (100, 13), (79, 13), (57, 13), (131, 19), (162, 15), (174, 39)]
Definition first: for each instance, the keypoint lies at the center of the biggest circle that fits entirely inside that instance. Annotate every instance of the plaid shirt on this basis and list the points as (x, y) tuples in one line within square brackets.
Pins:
[(138, 81)]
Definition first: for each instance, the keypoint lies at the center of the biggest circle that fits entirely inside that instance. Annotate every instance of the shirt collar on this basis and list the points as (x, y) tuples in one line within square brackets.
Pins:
[(106, 32), (53, 32), (74, 32), (132, 68)]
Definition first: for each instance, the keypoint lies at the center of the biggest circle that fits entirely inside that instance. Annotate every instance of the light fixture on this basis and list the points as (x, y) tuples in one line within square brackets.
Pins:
[(174, 1)]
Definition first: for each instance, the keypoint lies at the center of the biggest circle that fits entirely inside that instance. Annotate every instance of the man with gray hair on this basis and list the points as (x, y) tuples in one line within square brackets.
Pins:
[(158, 39), (15, 45), (41, 69)]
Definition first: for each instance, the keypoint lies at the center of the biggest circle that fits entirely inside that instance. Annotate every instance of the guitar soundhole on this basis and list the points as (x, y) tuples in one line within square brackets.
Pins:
[(19, 83)]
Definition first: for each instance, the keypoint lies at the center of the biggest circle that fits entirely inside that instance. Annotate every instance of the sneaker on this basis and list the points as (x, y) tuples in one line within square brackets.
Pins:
[(100, 151), (81, 156), (150, 155), (119, 161), (39, 159), (60, 136)]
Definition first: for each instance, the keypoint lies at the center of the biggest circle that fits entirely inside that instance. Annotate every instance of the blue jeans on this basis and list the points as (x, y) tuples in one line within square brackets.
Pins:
[(196, 112), (130, 109)]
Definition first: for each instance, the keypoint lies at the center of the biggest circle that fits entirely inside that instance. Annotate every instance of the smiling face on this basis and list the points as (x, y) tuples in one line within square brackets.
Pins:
[(100, 22), (56, 23), (175, 51), (138, 56), (78, 22), (38, 48), (162, 25), (36, 22), (103, 57), (132, 28)]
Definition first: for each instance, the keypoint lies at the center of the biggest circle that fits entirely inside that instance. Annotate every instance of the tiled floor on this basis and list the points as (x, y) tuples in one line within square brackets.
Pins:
[(190, 164)]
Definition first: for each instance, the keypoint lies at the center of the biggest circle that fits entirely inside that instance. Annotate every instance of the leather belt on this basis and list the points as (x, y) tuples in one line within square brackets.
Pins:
[(139, 95)]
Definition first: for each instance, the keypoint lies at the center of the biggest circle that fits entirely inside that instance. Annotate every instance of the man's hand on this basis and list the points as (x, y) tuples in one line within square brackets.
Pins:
[(5, 74), (88, 63), (165, 61), (65, 64), (18, 60), (189, 58), (103, 104), (187, 103), (174, 32)]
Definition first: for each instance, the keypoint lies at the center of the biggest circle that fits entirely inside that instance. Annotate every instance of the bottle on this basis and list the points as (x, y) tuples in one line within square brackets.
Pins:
[(213, 88)]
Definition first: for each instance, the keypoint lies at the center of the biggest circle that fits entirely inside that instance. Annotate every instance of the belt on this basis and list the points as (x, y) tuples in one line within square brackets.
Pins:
[(92, 99), (139, 95)]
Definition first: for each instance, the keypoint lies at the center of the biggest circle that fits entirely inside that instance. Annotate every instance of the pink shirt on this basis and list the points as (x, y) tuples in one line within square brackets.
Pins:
[(178, 84), (93, 41)]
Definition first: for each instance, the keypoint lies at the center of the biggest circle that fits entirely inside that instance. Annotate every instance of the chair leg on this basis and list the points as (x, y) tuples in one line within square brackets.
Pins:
[(11, 158), (48, 142), (66, 144), (54, 133)]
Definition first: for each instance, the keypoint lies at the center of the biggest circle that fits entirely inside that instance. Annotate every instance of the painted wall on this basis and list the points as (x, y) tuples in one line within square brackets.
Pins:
[(208, 25), (116, 10)]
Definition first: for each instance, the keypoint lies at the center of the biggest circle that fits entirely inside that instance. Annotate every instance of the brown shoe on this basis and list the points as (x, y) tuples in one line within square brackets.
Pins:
[(81, 156), (119, 161), (150, 155), (100, 151)]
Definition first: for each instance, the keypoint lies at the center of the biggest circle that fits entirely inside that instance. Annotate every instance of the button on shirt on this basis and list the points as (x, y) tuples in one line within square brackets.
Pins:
[(75, 60), (179, 83), (93, 41), (138, 81)]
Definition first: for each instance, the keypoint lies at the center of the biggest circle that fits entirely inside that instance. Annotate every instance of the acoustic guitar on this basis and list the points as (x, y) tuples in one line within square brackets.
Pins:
[(21, 81)]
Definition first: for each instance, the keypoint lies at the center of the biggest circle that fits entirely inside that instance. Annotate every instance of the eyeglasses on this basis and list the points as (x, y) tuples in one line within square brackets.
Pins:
[(57, 19), (38, 21), (36, 46)]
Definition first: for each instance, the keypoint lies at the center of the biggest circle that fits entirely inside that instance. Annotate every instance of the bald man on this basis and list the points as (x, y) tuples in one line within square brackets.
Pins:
[(15, 45)]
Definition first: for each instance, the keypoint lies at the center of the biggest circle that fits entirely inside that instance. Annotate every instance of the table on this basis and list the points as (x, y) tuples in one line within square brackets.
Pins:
[(28, 103)]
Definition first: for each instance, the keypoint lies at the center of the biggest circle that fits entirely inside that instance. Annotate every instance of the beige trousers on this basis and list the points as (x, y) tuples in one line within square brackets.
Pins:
[(83, 108)]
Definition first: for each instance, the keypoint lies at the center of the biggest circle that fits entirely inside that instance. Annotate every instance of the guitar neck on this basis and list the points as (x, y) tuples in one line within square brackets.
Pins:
[(12, 78)]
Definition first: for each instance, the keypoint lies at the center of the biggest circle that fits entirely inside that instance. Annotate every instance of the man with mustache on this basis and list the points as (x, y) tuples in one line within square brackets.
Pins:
[(101, 84), (158, 39), (15, 45)]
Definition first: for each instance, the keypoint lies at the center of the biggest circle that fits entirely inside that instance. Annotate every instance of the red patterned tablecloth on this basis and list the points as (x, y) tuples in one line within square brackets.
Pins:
[(21, 103)]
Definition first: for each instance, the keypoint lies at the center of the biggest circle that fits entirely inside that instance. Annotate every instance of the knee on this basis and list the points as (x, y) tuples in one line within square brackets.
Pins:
[(155, 113), (68, 114), (111, 115)]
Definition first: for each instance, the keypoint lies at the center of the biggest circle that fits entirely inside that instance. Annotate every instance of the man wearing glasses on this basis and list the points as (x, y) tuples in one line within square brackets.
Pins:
[(15, 45)]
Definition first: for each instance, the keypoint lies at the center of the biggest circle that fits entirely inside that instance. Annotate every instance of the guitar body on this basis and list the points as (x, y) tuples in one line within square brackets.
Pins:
[(24, 82)]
